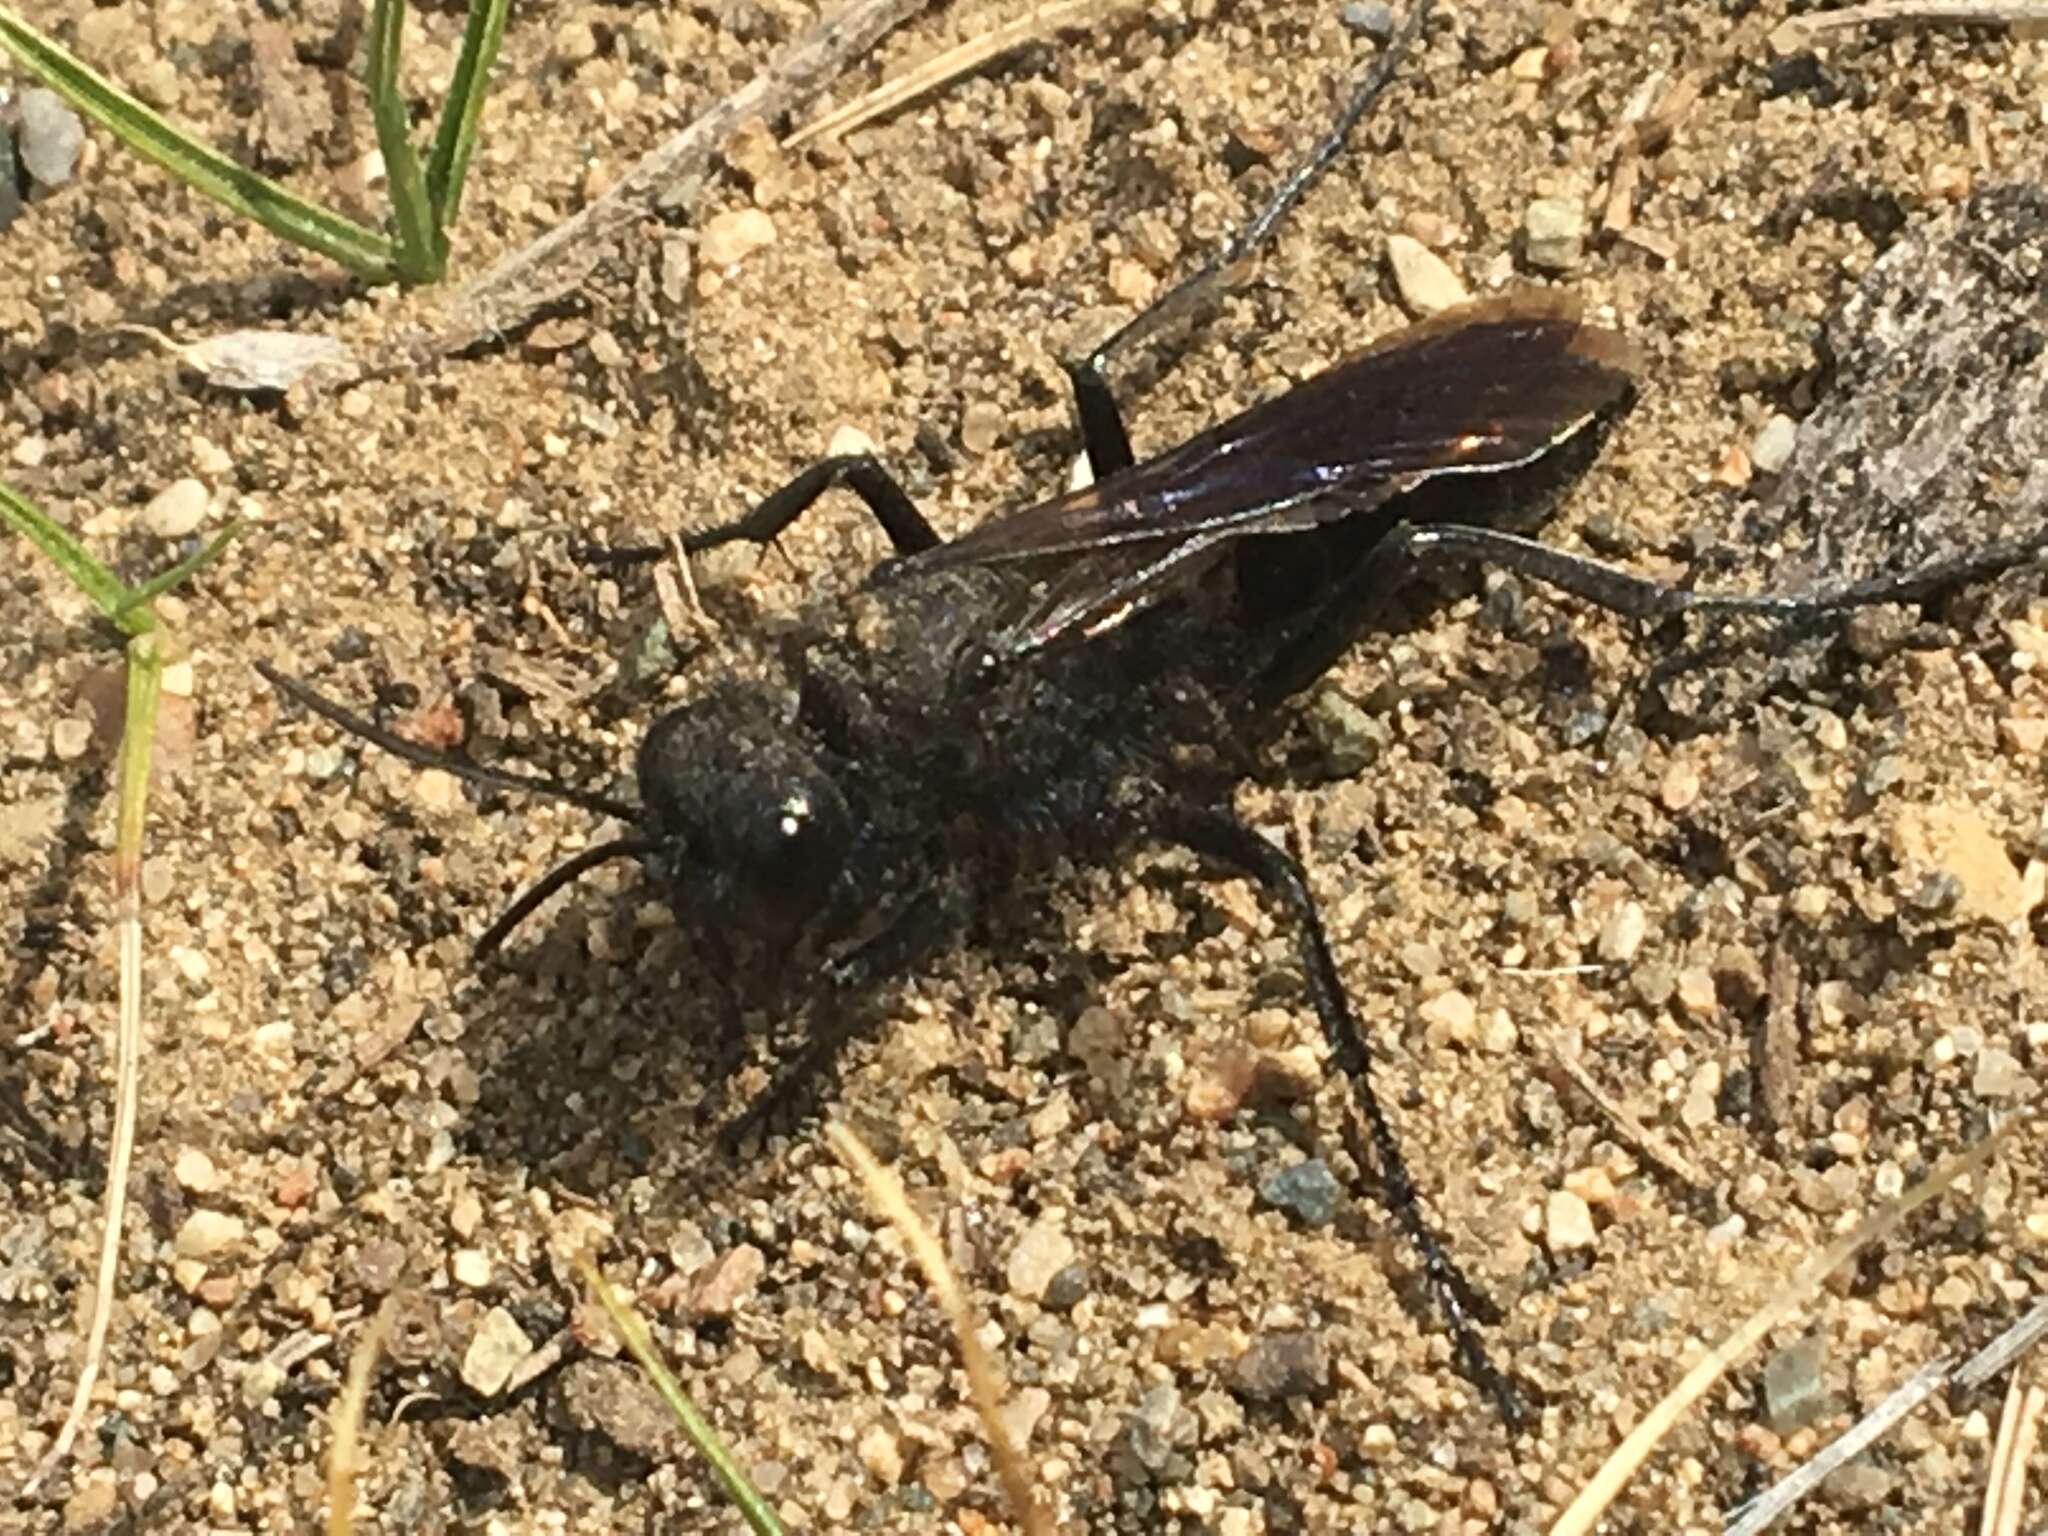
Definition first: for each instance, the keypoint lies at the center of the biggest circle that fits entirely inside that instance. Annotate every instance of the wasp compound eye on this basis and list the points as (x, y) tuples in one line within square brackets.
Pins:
[(786, 854)]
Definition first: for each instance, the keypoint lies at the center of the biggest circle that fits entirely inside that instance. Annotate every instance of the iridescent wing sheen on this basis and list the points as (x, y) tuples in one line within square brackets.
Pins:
[(1483, 388)]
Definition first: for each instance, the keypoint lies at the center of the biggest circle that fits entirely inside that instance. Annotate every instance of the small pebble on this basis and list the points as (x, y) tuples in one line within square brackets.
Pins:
[(176, 511), (495, 1351), (194, 1170), (981, 425), (734, 235), (1697, 993), (1772, 450), (1702, 1097), (1426, 283), (1368, 19), (1449, 1016), (1680, 787), (2000, 1076), (1554, 233), (1041, 1253), (1567, 1222), (575, 42), (882, 1455), (208, 1234), (675, 269), (1068, 1288), (729, 1281), (1499, 1035), (1622, 934), (848, 440), (437, 789), (1282, 1364), (1307, 1190), (471, 1267), (1795, 1391), (1218, 1083), (70, 737), (48, 137)]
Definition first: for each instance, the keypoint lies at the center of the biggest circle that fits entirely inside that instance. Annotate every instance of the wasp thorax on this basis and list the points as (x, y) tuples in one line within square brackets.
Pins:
[(752, 828)]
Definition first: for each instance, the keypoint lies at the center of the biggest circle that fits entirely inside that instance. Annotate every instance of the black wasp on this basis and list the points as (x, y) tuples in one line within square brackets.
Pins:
[(1080, 676)]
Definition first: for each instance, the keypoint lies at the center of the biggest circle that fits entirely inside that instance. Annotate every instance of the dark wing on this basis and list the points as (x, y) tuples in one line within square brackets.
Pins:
[(1485, 387)]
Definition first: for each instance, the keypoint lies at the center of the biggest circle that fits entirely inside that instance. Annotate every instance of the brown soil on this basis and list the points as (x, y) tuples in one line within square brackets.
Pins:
[(382, 1114)]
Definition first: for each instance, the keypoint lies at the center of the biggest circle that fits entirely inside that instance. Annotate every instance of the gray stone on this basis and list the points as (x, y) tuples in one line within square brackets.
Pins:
[(1794, 1391), (1287, 1363), (49, 135), (1307, 1191), (1372, 20), (1554, 233)]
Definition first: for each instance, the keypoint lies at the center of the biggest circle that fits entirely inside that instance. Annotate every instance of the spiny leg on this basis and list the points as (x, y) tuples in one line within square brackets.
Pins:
[(1103, 435), (861, 473), (1220, 835), (1640, 597), (1406, 549)]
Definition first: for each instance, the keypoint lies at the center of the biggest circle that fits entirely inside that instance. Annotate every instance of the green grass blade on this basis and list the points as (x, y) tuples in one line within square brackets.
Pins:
[(363, 251), (422, 250), (455, 139), (98, 583), (730, 1474), (163, 581)]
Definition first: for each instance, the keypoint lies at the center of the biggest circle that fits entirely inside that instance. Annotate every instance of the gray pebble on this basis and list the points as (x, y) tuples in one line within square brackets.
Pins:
[(1375, 21), (1067, 1288), (49, 137), (1288, 1363), (1350, 737), (2000, 1076), (1795, 1392), (176, 511), (652, 655), (1772, 449), (1306, 1191), (1554, 233)]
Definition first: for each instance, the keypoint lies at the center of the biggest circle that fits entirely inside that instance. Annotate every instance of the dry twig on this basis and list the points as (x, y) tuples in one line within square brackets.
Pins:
[(1799, 31), (885, 1192), (348, 1420), (1900, 1401), (1039, 21), (2005, 1498), (528, 280), (1651, 1144), (1585, 1511)]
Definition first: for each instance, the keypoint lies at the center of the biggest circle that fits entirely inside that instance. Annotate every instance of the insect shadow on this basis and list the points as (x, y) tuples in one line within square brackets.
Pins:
[(1094, 673)]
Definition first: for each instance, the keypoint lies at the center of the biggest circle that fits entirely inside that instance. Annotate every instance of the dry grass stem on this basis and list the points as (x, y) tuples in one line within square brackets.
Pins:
[(1799, 31), (1764, 1511), (144, 680), (554, 265), (885, 1192), (348, 1420), (1584, 1512), (2005, 1499), (1657, 1148), (1902, 1400), (2006, 1348), (1039, 21)]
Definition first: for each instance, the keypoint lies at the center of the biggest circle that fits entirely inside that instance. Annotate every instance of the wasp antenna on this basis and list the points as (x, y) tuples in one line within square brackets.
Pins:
[(562, 874), (426, 757)]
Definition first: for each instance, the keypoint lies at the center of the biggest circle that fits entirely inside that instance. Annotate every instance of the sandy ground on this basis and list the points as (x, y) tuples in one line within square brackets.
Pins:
[(1797, 939)]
